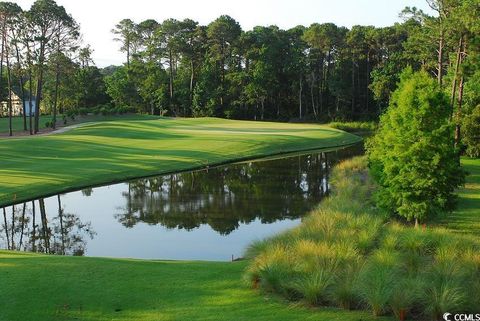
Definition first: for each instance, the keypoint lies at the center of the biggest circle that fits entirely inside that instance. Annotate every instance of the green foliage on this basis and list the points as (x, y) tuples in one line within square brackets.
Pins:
[(401, 271), (412, 155), (471, 133), (355, 127), (405, 294), (314, 286), (121, 88), (375, 286)]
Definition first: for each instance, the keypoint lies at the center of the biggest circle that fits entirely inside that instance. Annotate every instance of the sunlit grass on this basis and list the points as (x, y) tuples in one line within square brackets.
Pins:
[(46, 288), (112, 151)]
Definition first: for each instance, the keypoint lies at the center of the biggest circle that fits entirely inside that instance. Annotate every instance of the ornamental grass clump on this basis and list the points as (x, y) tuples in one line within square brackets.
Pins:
[(375, 287), (347, 254)]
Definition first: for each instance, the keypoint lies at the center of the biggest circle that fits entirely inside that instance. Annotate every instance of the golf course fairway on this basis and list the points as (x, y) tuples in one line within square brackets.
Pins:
[(112, 151)]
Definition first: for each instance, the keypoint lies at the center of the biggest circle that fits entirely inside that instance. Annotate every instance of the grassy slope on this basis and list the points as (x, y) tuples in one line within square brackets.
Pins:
[(104, 152), (37, 288), (466, 218)]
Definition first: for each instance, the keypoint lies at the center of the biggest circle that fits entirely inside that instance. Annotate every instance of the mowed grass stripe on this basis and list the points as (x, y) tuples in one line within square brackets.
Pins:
[(105, 152)]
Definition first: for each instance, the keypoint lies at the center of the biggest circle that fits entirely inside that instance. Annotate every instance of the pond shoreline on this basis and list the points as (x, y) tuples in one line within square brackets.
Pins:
[(193, 169), (347, 141)]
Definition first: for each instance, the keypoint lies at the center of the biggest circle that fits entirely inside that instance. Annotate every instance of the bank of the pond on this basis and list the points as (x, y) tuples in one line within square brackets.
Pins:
[(45, 288), (106, 152), (347, 254)]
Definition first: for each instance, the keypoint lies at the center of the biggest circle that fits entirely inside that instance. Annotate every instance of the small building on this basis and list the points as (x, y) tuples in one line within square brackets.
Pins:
[(17, 104)]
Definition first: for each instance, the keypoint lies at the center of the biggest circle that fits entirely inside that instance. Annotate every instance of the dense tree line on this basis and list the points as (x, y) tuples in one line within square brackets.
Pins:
[(322, 72), (181, 68)]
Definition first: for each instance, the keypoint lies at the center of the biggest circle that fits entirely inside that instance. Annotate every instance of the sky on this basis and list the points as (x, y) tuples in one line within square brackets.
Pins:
[(98, 17)]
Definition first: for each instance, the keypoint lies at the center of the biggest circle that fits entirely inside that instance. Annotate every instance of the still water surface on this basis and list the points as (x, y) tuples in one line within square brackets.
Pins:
[(202, 215)]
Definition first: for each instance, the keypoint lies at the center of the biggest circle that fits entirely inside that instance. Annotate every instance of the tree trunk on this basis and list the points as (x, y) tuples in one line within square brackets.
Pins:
[(192, 77), (459, 113), (353, 87), (128, 55), (9, 80), (440, 57), (30, 104), (461, 53), (23, 226), (327, 172), (320, 88), (34, 236), (57, 81), (312, 95), (55, 99), (2, 51), (62, 231), (6, 228), (30, 86), (262, 102), (39, 87), (455, 76), (367, 83), (170, 58), (37, 100), (45, 232), (12, 229), (326, 88), (300, 98), (20, 79)]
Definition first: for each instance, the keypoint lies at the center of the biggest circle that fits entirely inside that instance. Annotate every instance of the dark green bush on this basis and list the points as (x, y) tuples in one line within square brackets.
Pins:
[(82, 111)]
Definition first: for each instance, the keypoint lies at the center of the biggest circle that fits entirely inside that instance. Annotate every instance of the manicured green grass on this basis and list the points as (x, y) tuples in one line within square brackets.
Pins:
[(466, 218), (48, 288), (104, 152)]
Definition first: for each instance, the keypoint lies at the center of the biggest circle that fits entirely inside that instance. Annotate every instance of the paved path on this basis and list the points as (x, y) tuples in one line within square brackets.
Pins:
[(66, 128), (49, 132)]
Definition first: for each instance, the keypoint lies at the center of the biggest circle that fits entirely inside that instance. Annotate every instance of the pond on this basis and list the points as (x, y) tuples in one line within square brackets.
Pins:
[(211, 214)]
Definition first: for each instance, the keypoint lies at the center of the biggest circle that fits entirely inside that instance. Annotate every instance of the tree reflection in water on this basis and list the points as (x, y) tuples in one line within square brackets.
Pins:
[(228, 196), (222, 198), (28, 227)]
